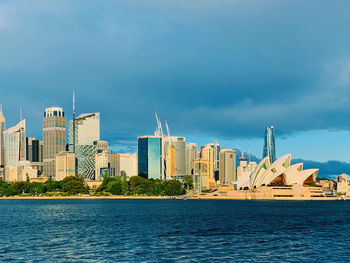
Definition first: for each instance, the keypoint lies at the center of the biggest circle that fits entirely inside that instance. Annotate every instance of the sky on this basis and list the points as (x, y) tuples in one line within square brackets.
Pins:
[(215, 70)]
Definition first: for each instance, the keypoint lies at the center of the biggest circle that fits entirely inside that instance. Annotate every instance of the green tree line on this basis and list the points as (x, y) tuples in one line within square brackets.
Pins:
[(110, 185)]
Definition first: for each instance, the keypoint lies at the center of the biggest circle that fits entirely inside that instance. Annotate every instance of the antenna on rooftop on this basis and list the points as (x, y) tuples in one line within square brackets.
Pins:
[(20, 113)]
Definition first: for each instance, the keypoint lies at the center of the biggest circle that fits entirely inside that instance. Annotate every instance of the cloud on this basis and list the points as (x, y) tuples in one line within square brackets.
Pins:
[(223, 70)]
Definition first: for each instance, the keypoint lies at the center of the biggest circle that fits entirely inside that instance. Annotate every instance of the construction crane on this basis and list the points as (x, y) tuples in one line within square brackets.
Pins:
[(167, 128), (159, 130)]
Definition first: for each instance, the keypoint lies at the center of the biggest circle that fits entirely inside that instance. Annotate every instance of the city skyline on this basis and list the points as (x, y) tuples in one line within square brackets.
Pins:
[(226, 90)]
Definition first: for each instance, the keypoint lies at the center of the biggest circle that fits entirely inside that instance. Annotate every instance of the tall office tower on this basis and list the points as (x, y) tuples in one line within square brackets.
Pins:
[(175, 157), (216, 148), (227, 163), (208, 154), (201, 175), (269, 144), (150, 157), (15, 144), (29, 148), (87, 130), (191, 154), (54, 133), (2, 129)]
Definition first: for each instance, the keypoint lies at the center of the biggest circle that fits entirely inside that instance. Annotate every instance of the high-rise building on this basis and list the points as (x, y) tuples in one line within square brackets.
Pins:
[(54, 133), (29, 148), (191, 154), (269, 144), (227, 164), (85, 155), (150, 157), (34, 153), (201, 175), (175, 157), (15, 144), (2, 129), (65, 165), (87, 130), (216, 148), (208, 153)]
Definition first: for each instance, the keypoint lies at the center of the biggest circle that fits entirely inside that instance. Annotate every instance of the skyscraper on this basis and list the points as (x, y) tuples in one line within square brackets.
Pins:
[(175, 156), (150, 157), (269, 144), (2, 129), (87, 130), (216, 148), (54, 133), (191, 155), (15, 144), (227, 164), (83, 138)]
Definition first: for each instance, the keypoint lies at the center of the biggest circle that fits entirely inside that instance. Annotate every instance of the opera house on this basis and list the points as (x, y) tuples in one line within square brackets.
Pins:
[(279, 180)]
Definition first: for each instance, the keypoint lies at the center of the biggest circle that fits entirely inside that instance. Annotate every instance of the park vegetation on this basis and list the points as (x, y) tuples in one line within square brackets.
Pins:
[(70, 186)]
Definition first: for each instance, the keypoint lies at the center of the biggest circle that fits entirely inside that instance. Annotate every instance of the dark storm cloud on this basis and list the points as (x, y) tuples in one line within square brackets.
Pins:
[(214, 68)]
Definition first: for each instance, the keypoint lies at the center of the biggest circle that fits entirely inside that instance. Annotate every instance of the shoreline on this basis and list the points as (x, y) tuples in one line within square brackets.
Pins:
[(117, 197)]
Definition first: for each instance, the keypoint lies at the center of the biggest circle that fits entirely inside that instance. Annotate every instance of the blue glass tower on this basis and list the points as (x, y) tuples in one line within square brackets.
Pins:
[(269, 144), (150, 157)]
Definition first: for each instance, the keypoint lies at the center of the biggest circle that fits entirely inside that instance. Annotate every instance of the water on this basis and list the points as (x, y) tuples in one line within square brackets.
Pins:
[(174, 231)]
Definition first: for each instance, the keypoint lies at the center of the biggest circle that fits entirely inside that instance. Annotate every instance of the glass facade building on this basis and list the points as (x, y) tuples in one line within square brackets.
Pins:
[(150, 157), (87, 130), (15, 144), (85, 155), (269, 144)]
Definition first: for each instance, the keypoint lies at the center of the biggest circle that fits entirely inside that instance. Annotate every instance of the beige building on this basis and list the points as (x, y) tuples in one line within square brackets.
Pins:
[(23, 172), (101, 162), (227, 166), (65, 165), (202, 178), (11, 174), (101, 145), (191, 155), (127, 164), (343, 184), (208, 153)]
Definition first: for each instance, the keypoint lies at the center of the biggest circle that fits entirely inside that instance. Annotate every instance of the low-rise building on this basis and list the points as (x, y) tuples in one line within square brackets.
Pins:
[(65, 165)]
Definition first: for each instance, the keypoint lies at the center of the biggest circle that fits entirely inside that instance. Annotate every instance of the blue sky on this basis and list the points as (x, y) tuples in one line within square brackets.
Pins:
[(213, 69)]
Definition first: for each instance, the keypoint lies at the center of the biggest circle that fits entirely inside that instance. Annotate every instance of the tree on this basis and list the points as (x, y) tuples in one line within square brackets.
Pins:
[(115, 187), (105, 182), (125, 185), (137, 185), (37, 188), (188, 182), (173, 188), (20, 187), (74, 185)]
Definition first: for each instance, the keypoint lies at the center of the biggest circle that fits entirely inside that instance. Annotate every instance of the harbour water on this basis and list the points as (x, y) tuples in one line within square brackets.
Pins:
[(174, 231)]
